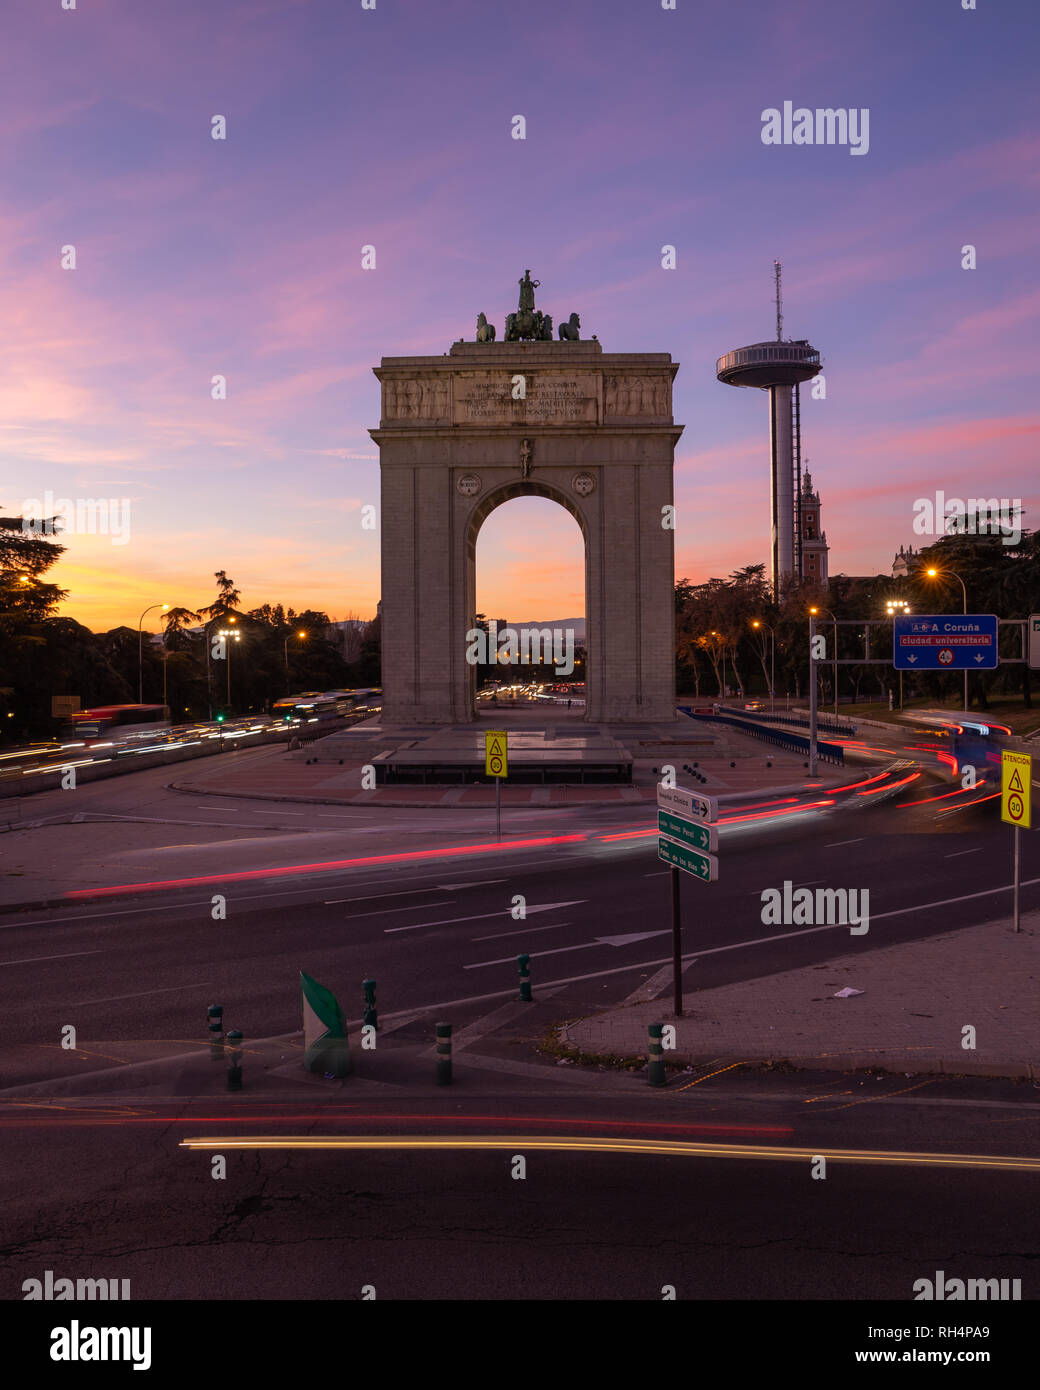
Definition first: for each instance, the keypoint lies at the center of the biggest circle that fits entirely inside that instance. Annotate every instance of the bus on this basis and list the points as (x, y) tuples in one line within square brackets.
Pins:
[(109, 723), (313, 704)]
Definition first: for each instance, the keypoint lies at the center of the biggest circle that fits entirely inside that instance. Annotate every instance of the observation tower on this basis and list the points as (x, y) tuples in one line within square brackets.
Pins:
[(778, 367)]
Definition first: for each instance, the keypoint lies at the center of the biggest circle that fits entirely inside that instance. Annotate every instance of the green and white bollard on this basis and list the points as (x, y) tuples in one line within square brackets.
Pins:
[(655, 1061), (370, 1015), (215, 1015), (234, 1060), (443, 1054), (524, 964)]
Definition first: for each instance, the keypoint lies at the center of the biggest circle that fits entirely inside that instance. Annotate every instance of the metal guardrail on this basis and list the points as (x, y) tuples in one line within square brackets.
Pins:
[(826, 752), (800, 721)]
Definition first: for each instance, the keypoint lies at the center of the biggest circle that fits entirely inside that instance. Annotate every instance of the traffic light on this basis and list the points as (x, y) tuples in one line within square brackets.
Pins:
[(221, 716)]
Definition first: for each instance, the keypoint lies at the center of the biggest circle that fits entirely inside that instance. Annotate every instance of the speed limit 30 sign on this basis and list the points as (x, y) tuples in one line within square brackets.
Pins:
[(1016, 777)]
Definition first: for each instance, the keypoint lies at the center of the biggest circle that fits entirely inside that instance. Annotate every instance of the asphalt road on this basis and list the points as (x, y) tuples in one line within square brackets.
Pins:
[(113, 1194), (439, 933)]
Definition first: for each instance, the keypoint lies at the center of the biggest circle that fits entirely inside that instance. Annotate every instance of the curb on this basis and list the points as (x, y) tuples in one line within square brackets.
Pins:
[(850, 1061)]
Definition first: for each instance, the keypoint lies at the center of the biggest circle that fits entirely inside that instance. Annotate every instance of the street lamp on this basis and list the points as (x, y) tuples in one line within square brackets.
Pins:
[(813, 694), (831, 615), (140, 647), (285, 648), (772, 659), (226, 633), (722, 648), (897, 607), (934, 573)]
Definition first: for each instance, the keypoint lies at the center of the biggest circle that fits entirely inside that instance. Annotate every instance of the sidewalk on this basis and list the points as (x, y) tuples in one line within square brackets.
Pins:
[(917, 997)]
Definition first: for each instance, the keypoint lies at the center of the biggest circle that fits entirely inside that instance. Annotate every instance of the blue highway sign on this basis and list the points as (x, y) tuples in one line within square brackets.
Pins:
[(945, 642)]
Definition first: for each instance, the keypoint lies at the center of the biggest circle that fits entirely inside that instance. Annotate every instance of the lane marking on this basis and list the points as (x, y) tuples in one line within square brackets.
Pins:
[(378, 897), (962, 851), (557, 951), (521, 931), (386, 911), (836, 843), (27, 960), (112, 998), (483, 916)]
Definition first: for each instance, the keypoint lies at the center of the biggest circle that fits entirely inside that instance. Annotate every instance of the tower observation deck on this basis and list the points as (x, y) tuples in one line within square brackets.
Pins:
[(777, 367)]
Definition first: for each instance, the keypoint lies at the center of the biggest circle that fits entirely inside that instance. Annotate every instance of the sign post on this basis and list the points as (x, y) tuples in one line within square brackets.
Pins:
[(687, 841), (1016, 784), (496, 765), (1033, 641)]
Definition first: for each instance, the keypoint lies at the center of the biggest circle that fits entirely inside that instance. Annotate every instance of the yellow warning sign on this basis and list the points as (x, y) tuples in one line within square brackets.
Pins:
[(496, 753), (1016, 779)]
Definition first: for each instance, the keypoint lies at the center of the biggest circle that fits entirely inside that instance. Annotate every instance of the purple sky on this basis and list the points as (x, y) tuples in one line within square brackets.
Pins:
[(392, 127)]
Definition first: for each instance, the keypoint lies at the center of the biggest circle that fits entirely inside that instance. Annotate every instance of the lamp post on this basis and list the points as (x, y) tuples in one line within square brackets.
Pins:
[(772, 660), (933, 573), (835, 658), (140, 650), (893, 607), (285, 648), (812, 694), (226, 633)]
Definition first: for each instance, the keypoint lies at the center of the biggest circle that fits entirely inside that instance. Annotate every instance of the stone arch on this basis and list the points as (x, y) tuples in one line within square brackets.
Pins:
[(474, 445)]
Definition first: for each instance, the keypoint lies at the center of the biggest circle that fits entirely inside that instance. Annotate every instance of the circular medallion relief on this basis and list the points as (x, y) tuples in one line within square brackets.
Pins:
[(583, 484), (469, 484)]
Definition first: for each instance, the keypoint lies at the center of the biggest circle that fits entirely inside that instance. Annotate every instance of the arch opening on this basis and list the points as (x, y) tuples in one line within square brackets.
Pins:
[(527, 589)]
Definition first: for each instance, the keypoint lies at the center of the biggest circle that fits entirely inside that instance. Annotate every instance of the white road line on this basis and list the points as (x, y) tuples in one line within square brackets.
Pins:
[(962, 851), (521, 931), (27, 960), (836, 843), (367, 897), (558, 951), (113, 998), (386, 911), (660, 874), (482, 916)]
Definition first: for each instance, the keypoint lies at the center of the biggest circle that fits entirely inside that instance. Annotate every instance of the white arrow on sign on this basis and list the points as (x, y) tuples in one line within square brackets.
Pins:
[(979, 657), (911, 659), (632, 937)]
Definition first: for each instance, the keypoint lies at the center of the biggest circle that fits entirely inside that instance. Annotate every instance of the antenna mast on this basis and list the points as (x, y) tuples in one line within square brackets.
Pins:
[(777, 268)]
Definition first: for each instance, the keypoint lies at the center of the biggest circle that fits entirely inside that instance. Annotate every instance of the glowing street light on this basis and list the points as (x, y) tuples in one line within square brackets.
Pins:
[(933, 572), (140, 641), (756, 623), (285, 649)]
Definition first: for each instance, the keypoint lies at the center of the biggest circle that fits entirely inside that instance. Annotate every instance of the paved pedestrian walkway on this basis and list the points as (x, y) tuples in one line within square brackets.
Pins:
[(917, 1000)]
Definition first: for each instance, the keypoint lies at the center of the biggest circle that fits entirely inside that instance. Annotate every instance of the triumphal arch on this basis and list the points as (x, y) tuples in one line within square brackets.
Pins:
[(491, 420)]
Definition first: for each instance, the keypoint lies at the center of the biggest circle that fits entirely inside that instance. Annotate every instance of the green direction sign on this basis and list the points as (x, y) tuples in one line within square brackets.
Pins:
[(688, 832), (702, 866)]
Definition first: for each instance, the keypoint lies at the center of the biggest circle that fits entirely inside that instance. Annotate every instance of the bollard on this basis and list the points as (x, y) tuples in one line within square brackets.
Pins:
[(524, 963), (215, 1015), (370, 1015), (655, 1060), (443, 1054), (234, 1060)]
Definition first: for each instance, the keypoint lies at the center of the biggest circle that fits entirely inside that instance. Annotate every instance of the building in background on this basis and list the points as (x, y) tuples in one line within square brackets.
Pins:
[(813, 548)]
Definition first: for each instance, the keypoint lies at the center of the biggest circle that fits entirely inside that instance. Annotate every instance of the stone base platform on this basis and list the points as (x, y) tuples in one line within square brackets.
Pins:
[(547, 746)]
